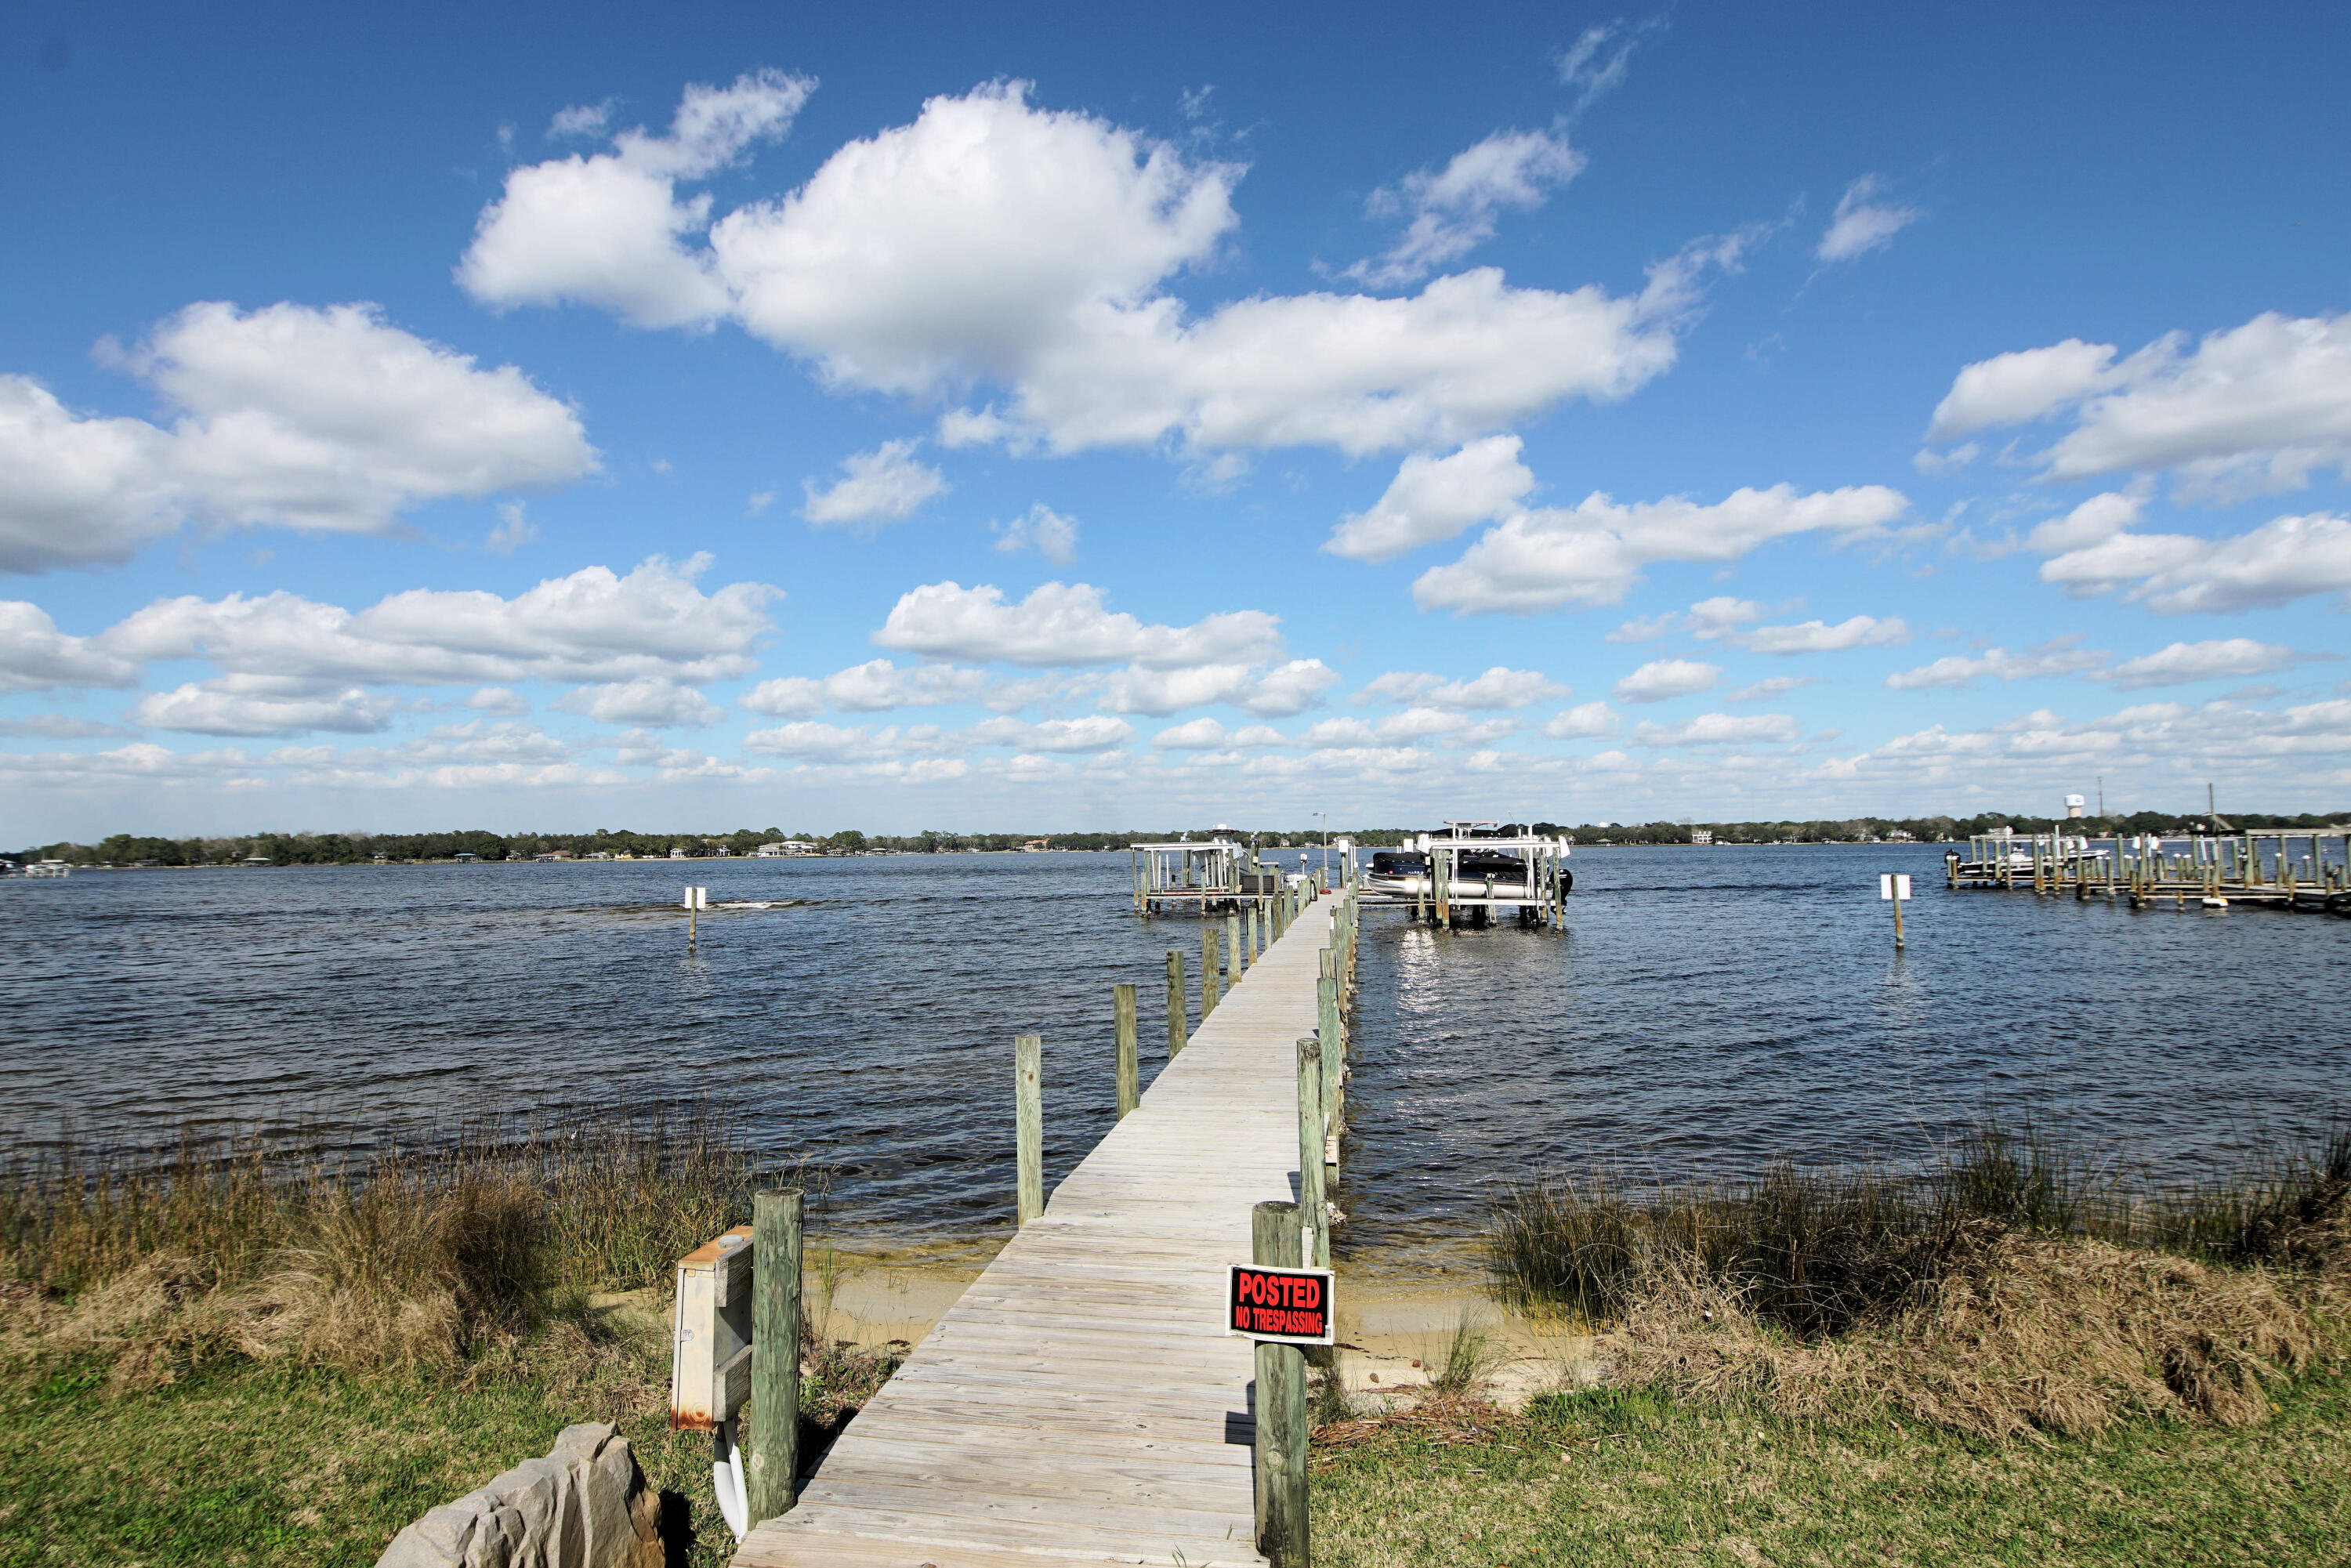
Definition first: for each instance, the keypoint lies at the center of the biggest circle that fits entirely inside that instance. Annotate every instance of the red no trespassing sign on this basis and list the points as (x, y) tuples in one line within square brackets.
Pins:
[(1285, 1306)]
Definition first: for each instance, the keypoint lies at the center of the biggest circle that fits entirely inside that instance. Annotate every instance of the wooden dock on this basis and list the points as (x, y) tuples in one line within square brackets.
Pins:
[(2287, 868), (1082, 1402)]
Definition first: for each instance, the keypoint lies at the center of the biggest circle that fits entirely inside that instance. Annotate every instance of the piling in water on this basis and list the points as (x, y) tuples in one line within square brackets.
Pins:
[(1174, 1003), (1130, 1093), (1028, 1092)]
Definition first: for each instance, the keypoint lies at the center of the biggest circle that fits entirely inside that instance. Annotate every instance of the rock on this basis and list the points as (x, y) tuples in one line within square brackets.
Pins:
[(584, 1505)]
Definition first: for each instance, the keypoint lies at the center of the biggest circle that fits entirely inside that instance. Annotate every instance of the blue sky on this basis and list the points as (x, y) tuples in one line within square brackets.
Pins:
[(1033, 419)]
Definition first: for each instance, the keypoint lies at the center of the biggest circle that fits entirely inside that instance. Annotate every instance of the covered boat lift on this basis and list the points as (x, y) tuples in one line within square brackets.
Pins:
[(1453, 888), (1202, 877)]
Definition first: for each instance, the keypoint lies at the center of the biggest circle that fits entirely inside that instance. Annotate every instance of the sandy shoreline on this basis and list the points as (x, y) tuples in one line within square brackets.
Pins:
[(1400, 1310)]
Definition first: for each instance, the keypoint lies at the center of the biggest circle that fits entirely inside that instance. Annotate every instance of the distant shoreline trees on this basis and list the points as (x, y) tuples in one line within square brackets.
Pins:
[(362, 849)]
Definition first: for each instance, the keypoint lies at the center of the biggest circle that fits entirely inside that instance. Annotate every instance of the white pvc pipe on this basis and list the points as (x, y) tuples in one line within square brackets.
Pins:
[(726, 1478)]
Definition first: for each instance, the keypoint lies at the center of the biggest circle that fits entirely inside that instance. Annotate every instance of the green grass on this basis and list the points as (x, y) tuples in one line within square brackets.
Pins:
[(243, 1465), (1627, 1477)]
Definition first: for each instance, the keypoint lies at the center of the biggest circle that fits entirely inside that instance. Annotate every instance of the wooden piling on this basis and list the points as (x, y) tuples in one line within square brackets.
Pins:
[(1130, 1078), (1211, 991), (1174, 1003), (1248, 939), (1029, 1090), (1235, 963), (1281, 1425), (1314, 1218), (1335, 1052), (771, 1476)]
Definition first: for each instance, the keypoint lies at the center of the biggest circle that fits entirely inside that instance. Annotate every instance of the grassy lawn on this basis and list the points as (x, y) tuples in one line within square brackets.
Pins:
[(1617, 1477), (250, 1466), (245, 1466)]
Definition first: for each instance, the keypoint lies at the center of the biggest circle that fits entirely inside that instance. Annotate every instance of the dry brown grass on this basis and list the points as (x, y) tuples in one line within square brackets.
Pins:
[(408, 1261), (2014, 1292), (2020, 1338)]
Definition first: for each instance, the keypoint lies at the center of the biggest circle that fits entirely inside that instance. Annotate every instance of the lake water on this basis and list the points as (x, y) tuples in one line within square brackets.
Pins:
[(1708, 1010)]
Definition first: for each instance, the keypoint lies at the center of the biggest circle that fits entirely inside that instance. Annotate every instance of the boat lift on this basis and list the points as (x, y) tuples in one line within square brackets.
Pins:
[(1453, 893), (1206, 876)]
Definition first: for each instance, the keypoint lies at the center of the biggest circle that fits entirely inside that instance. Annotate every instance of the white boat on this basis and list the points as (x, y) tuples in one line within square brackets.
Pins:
[(48, 868)]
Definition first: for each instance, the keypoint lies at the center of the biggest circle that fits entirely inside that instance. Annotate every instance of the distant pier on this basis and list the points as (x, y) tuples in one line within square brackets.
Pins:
[(2290, 868)]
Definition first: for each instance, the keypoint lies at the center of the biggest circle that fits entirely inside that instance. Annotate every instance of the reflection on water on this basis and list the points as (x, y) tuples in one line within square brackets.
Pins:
[(1706, 1011)]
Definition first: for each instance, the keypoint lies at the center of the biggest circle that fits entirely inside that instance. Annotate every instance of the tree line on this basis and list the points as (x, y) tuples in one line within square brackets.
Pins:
[(480, 843)]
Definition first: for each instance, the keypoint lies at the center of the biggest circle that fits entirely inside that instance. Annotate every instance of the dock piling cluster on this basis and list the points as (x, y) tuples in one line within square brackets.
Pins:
[(2289, 868)]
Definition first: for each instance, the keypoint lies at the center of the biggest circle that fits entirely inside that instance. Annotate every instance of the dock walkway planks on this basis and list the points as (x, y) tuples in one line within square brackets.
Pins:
[(1081, 1404)]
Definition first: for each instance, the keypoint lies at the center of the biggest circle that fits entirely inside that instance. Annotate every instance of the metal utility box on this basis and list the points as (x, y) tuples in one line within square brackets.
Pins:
[(710, 1360)]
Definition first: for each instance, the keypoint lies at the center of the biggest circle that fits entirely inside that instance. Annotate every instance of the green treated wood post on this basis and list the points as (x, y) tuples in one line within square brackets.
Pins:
[(1174, 1003), (1210, 992), (1029, 1090), (1249, 935), (1281, 1427), (1335, 1043), (774, 1469), (1130, 1078), (1234, 960), (1314, 1219)]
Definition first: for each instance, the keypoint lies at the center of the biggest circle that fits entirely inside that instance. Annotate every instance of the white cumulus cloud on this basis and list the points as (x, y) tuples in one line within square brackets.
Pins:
[(1820, 637), (874, 686), (327, 420), (2259, 407), (593, 625), (878, 487), (610, 229), (1063, 624), (994, 242), (1722, 729), (1662, 678), (1434, 499), (1043, 529), (1499, 688), (207, 710), (649, 701), (2094, 549), (1582, 722), (2228, 658), (1591, 553), (1772, 686), (34, 656), (2058, 656)]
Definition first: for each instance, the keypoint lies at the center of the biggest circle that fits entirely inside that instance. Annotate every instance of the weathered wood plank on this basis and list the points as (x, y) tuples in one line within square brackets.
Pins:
[(1080, 1405)]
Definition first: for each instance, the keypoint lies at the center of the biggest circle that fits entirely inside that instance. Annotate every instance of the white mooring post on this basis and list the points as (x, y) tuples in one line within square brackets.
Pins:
[(1895, 887)]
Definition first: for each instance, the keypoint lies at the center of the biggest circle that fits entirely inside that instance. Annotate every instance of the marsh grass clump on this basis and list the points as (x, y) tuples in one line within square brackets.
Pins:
[(1472, 1354), (2018, 1285), (414, 1256)]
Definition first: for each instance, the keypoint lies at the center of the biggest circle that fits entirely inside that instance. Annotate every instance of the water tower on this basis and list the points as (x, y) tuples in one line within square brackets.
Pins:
[(2073, 804)]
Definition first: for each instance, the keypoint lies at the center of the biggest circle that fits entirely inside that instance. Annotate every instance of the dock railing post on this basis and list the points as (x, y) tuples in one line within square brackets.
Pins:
[(1314, 1218), (1130, 1093), (1334, 1053), (1234, 961), (1248, 936), (775, 1461), (1281, 1429), (1029, 1090), (1210, 993), (1174, 1003)]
